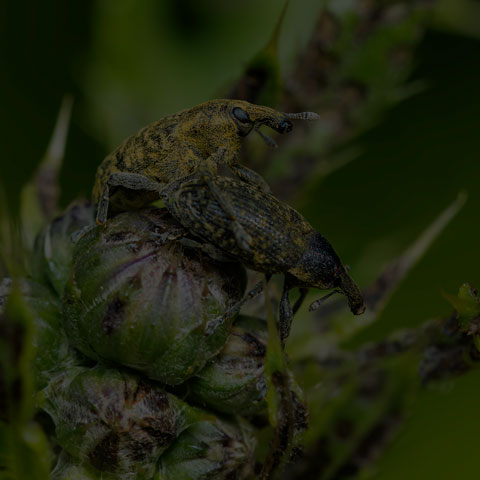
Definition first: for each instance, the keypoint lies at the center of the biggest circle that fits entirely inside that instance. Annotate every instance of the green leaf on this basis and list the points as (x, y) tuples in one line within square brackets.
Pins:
[(39, 197), (261, 82)]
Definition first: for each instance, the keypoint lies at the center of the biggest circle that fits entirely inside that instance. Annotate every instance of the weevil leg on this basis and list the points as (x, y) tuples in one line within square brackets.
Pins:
[(300, 299), (234, 309), (209, 249), (171, 236), (205, 176), (286, 313), (169, 191), (241, 236), (102, 208), (132, 181), (251, 177), (78, 234)]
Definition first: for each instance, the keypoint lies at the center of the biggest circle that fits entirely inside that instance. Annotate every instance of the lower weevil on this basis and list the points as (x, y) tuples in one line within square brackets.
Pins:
[(281, 240)]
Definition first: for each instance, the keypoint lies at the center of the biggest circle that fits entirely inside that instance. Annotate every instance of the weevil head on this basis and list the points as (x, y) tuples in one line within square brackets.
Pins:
[(254, 116), (259, 115), (320, 267), (237, 118)]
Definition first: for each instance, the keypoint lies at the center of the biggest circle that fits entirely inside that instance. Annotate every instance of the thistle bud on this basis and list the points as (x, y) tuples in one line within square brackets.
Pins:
[(234, 380), (141, 299), (114, 421), (210, 450), (52, 252)]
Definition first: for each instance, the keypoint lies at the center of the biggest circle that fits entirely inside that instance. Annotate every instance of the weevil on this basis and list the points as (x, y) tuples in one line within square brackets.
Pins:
[(194, 140), (281, 239)]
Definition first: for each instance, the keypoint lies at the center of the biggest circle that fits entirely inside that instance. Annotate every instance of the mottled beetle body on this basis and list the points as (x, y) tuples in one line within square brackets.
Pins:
[(181, 144), (278, 232), (281, 240)]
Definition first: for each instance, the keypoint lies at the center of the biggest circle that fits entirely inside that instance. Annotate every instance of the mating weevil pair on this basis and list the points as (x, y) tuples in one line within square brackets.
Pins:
[(191, 141), (177, 158)]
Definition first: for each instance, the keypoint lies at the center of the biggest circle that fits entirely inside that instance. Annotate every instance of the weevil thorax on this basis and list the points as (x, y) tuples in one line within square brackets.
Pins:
[(321, 267), (209, 127)]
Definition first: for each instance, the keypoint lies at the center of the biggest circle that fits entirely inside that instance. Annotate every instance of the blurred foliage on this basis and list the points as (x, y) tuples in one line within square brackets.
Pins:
[(24, 450), (396, 146)]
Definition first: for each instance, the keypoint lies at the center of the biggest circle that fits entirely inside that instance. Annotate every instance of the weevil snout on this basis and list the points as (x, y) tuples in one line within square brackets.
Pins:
[(248, 117), (357, 306), (352, 292), (284, 126), (321, 267), (276, 121)]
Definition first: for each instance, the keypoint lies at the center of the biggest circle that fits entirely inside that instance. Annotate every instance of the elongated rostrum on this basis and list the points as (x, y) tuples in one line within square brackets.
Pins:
[(193, 140), (280, 239)]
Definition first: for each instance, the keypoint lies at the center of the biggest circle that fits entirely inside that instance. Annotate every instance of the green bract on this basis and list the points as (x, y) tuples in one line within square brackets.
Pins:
[(115, 421), (234, 380), (139, 298), (210, 450), (67, 468), (52, 253)]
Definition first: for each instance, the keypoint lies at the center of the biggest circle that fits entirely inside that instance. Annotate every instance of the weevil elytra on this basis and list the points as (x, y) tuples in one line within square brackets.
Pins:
[(281, 240), (194, 140)]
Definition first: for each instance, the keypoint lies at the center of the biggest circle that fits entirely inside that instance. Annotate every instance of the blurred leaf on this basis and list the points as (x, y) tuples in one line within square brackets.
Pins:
[(354, 68), (261, 81), (39, 197), (380, 292), (356, 408), (24, 448), (12, 258), (461, 16)]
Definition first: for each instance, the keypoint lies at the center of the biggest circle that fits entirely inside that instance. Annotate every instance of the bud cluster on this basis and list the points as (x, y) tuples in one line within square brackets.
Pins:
[(140, 363)]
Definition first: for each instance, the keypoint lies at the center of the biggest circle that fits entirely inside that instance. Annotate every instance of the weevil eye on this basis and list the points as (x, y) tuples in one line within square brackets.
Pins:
[(241, 115)]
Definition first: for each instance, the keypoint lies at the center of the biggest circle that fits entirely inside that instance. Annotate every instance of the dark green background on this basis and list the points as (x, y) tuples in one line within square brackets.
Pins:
[(128, 63)]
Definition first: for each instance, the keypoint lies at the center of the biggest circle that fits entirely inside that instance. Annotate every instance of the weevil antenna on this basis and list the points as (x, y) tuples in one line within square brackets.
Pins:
[(268, 140), (318, 303), (310, 116)]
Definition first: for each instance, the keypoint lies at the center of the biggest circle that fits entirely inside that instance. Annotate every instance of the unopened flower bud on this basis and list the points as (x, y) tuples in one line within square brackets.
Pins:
[(139, 298), (52, 252), (210, 450), (234, 380), (114, 421)]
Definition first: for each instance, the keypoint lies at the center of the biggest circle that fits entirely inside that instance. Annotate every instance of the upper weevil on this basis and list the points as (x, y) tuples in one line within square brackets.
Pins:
[(194, 140), (281, 240)]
